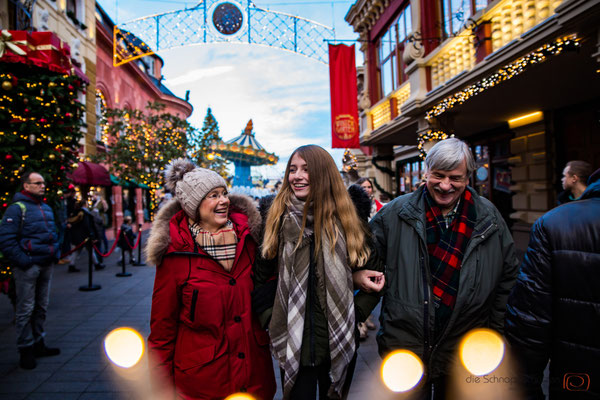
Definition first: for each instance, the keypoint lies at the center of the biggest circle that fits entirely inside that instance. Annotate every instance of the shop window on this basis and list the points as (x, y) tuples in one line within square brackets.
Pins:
[(410, 174), (457, 12), (389, 52)]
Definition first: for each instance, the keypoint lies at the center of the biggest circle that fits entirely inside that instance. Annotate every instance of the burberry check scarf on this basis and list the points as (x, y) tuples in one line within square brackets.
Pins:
[(287, 322), (446, 249), (220, 245)]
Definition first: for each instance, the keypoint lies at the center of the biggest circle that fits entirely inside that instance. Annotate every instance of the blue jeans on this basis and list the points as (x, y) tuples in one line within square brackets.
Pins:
[(33, 293)]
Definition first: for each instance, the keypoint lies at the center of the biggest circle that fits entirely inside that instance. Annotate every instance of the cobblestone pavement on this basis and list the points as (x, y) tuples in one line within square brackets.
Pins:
[(77, 323)]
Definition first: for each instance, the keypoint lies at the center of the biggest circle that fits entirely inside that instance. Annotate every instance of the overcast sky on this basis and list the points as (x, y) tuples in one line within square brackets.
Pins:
[(285, 94)]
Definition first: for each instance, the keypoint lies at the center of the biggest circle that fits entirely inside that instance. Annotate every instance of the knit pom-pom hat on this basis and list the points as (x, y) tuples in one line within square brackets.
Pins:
[(191, 184)]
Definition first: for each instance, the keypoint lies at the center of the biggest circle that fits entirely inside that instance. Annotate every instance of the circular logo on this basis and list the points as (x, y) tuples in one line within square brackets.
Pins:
[(345, 126), (227, 18)]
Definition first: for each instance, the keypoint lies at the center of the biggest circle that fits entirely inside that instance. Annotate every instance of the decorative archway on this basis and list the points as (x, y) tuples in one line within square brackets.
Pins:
[(220, 21)]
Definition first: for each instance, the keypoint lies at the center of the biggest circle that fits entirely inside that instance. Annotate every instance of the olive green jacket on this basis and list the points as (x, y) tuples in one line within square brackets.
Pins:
[(487, 275)]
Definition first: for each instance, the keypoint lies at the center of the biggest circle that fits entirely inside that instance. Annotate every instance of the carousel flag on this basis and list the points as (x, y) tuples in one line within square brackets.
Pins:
[(344, 106)]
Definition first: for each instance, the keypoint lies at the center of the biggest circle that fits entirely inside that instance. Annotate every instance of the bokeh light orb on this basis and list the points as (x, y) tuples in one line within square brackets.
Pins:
[(481, 351), (124, 347), (401, 371), (240, 396)]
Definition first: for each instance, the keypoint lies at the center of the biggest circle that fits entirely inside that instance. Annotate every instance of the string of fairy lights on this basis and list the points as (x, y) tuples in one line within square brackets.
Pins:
[(505, 73), (428, 136)]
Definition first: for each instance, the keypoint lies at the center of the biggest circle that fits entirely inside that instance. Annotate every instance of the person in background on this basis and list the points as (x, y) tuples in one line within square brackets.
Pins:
[(99, 211), (82, 228), (553, 310), (127, 240), (384, 198), (313, 242), (29, 240), (205, 341), (65, 208), (376, 205), (574, 180)]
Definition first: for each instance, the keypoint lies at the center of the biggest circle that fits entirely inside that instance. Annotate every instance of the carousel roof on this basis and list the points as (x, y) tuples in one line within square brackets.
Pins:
[(245, 148)]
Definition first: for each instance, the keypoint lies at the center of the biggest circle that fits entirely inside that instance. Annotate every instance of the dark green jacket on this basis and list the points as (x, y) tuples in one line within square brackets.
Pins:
[(315, 336), (488, 273)]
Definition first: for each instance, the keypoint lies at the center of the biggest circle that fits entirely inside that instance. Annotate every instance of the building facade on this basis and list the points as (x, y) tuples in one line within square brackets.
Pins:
[(128, 86), (519, 80)]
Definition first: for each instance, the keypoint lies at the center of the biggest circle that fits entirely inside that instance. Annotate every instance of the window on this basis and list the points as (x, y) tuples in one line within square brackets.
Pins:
[(457, 12), (100, 109), (72, 6), (410, 174), (389, 52)]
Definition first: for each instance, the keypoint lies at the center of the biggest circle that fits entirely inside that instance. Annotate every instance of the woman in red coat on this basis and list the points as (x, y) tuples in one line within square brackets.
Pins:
[(204, 338)]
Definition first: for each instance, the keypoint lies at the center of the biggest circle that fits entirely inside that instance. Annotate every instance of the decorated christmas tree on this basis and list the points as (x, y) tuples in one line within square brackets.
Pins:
[(40, 128), (142, 143), (200, 142)]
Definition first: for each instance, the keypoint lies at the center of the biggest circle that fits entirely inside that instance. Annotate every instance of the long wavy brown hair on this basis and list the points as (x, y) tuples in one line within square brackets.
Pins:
[(329, 201)]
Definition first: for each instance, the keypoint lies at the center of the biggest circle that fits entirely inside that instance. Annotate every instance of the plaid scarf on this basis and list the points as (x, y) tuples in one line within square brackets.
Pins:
[(287, 322), (446, 248), (220, 245)]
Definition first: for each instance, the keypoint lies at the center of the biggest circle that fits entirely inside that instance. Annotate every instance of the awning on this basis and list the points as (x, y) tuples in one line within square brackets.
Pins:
[(89, 173), (77, 71)]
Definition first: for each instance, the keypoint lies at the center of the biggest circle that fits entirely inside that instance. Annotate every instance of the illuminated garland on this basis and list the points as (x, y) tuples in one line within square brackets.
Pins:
[(428, 137), (102, 119), (349, 161), (507, 72)]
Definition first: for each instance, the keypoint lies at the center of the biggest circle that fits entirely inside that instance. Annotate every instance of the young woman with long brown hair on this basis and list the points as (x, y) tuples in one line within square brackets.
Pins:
[(313, 241)]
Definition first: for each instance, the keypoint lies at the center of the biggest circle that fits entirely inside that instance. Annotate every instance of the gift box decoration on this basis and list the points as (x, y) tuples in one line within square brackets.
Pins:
[(50, 48), (15, 44)]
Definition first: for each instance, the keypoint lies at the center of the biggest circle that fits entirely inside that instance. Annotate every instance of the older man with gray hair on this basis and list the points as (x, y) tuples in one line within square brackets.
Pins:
[(450, 265)]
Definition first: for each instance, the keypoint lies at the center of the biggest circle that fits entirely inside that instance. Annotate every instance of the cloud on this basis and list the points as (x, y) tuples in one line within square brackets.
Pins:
[(285, 94), (198, 74)]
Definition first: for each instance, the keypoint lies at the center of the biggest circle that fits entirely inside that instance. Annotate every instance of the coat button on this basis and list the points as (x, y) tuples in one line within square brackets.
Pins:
[(232, 282), (237, 318), (241, 355)]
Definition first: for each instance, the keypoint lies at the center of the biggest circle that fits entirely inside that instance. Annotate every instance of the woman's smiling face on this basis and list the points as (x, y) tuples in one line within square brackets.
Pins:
[(214, 209), (298, 177)]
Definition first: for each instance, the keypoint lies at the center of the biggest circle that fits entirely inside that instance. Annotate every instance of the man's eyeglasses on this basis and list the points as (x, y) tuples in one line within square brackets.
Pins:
[(36, 183)]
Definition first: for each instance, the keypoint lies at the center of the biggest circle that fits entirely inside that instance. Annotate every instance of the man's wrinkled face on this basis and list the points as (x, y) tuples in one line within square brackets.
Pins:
[(446, 187), (35, 184)]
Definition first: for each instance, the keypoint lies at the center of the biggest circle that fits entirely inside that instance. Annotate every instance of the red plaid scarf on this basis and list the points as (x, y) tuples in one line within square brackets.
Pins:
[(446, 249)]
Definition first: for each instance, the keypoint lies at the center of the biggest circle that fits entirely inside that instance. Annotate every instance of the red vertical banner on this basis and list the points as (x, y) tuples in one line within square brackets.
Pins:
[(344, 102)]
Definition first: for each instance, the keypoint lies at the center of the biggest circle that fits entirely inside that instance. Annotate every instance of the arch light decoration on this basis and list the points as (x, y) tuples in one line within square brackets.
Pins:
[(220, 21)]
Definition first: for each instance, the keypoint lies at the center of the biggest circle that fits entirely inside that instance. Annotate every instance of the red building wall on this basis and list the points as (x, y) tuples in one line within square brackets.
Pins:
[(128, 86)]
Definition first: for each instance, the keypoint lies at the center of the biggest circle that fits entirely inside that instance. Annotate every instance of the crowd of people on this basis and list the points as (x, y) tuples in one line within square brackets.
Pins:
[(296, 278)]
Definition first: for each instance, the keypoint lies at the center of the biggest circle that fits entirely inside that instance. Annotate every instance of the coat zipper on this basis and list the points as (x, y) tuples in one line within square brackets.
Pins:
[(193, 305)]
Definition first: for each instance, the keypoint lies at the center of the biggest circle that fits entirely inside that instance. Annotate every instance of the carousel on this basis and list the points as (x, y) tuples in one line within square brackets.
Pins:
[(245, 152)]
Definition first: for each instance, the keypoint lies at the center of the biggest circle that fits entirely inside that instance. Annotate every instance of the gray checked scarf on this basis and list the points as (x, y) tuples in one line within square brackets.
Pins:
[(287, 321)]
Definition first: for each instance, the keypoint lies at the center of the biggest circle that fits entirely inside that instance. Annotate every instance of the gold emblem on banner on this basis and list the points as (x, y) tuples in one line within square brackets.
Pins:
[(345, 126)]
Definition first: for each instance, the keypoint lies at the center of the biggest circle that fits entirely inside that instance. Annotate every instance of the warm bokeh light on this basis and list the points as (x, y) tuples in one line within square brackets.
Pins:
[(481, 351), (240, 396), (401, 371), (124, 347)]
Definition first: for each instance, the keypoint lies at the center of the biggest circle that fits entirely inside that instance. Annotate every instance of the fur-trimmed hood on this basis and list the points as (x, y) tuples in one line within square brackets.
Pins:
[(159, 241)]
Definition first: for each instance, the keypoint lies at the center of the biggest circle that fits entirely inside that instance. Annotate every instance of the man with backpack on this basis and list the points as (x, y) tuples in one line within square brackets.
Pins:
[(29, 241)]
